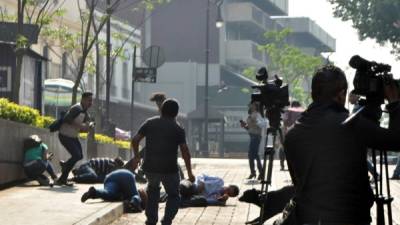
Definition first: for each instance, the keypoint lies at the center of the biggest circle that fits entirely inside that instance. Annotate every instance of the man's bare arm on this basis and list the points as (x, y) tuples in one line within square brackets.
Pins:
[(186, 157), (135, 147)]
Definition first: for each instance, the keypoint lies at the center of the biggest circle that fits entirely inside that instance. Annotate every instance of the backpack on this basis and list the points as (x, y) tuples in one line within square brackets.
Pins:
[(56, 125)]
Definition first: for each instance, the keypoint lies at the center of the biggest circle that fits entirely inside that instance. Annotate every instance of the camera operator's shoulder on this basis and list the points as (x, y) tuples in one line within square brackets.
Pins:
[(154, 118), (334, 118)]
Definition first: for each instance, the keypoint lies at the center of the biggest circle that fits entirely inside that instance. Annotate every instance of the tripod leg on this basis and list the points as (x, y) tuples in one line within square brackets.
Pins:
[(268, 154), (264, 162), (389, 198)]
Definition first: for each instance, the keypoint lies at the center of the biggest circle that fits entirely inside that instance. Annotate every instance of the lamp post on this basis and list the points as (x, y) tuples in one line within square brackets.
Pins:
[(219, 24)]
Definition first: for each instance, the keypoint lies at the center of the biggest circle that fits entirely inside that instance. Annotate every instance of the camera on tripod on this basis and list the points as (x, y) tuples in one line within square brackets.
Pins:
[(370, 79), (272, 96)]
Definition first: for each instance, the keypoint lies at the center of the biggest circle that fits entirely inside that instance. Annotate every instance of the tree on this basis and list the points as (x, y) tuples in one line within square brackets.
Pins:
[(80, 44), (40, 13), (376, 19), (290, 62)]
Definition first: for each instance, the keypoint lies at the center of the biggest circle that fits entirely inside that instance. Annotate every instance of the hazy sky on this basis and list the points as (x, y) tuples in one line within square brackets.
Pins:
[(347, 42)]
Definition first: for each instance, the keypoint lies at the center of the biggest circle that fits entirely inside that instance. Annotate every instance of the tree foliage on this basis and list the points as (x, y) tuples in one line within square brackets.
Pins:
[(80, 44), (377, 19), (290, 63)]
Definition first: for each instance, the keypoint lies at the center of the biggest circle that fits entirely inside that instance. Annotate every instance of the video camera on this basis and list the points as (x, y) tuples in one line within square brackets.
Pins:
[(271, 95), (370, 79)]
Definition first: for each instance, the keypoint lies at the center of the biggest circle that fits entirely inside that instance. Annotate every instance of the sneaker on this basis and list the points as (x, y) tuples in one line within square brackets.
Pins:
[(251, 176), (43, 180), (63, 183), (260, 176), (91, 193), (131, 207)]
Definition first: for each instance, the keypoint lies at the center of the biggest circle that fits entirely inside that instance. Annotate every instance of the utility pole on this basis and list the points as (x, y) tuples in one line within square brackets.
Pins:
[(108, 61), (205, 153), (133, 88)]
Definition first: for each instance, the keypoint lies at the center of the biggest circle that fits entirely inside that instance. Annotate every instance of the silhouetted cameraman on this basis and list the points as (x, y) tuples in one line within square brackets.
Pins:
[(328, 161)]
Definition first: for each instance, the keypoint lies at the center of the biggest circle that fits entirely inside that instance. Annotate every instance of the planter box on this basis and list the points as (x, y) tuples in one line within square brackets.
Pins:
[(12, 135)]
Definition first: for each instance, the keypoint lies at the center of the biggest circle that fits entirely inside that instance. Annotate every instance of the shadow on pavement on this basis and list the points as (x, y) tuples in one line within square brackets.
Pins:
[(251, 182), (62, 189)]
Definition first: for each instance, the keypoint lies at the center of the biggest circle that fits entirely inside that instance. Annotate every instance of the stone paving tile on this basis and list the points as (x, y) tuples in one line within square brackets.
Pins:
[(234, 213)]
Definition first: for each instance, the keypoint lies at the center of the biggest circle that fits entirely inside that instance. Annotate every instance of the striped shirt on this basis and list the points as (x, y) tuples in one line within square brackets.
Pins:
[(102, 166)]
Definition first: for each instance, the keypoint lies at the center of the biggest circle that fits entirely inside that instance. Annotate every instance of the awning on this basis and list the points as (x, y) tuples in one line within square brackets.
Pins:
[(58, 92)]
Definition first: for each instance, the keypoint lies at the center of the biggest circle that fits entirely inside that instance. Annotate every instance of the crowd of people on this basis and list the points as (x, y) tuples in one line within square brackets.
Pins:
[(159, 159), (326, 158)]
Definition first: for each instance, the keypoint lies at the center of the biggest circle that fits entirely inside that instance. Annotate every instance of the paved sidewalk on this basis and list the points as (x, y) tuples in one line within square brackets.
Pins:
[(234, 171), (35, 205)]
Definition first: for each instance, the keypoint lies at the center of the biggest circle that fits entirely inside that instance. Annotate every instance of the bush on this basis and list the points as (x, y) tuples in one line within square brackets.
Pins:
[(103, 139), (123, 144), (27, 115), (18, 113), (44, 121)]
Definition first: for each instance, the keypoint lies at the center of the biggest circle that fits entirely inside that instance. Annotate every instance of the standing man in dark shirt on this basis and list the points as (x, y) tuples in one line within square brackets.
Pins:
[(75, 121), (329, 160), (163, 136)]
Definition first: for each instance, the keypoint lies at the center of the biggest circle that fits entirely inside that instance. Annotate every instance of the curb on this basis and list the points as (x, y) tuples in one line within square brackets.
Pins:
[(104, 216)]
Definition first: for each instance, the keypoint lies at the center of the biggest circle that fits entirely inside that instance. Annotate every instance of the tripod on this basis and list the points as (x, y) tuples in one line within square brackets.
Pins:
[(380, 199), (374, 113), (269, 152)]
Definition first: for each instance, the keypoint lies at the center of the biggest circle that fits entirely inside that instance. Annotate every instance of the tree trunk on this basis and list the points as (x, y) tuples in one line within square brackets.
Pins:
[(99, 114), (16, 80), (78, 78)]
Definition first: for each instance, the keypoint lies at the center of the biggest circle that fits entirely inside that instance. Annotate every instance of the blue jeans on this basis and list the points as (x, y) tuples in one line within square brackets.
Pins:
[(119, 185), (36, 168), (253, 153), (74, 148), (171, 186), (86, 174)]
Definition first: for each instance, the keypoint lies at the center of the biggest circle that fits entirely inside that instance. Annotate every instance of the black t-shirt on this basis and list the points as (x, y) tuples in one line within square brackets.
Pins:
[(332, 161), (163, 136)]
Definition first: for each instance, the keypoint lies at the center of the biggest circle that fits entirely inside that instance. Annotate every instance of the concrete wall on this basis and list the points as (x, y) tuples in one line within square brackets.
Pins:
[(12, 135)]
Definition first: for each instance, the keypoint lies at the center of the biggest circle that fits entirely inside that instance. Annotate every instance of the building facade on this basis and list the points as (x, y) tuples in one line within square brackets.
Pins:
[(232, 48)]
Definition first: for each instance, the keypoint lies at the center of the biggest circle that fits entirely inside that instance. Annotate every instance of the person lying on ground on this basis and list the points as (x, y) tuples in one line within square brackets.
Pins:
[(37, 160), (96, 169), (119, 185), (209, 188)]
